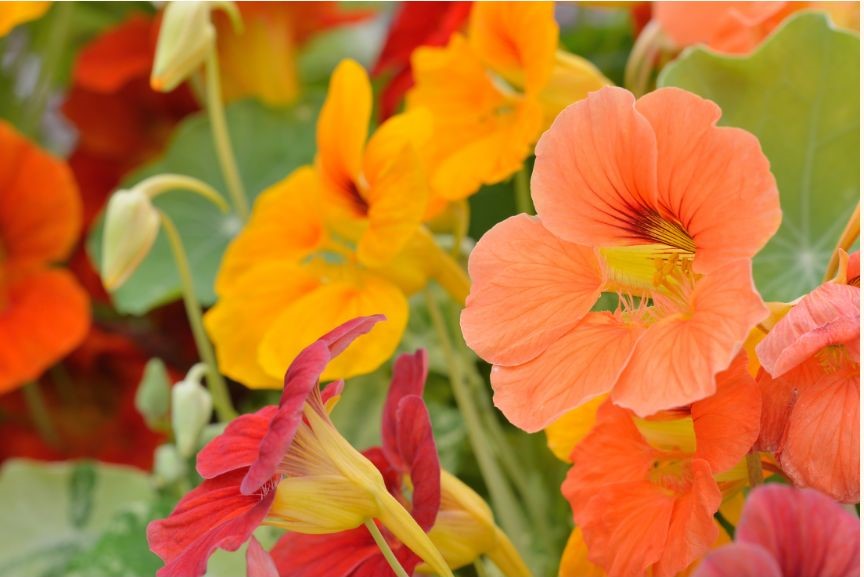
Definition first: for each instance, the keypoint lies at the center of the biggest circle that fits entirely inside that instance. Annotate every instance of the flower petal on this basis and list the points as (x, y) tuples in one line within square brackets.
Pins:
[(417, 450), (409, 378), (738, 560), (44, 315), (259, 563), (715, 181), (579, 366), (569, 429), (118, 56), (237, 447), (595, 172), (299, 555), (328, 306), (804, 531), (213, 515), (685, 352), (727, 423), (529, 289), (829, 315), (574, 559)]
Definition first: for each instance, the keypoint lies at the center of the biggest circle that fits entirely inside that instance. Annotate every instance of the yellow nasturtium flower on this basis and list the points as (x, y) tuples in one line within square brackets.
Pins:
[(14, 13), (493, 93), (332, 242)]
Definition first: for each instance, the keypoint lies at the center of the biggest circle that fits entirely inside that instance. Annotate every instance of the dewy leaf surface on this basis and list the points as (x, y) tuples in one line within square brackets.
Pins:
[(799, 94), (268, 144)]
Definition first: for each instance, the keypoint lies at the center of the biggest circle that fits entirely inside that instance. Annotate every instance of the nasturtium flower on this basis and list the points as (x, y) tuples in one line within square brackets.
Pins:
[(493, 92), (44, 313), (457, 520), (737, 27), (333, 241), (786, 531), (811, 390), (651, 201), (260, 61), (644, 490), (286, 466)]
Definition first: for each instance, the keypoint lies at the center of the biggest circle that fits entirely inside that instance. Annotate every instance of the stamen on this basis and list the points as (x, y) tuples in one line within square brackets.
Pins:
[(651, 226)]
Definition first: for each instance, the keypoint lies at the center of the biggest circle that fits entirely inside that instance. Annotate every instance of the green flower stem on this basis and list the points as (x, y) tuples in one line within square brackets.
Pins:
[(637, 73), (847, 239), (503, 501), (221, 138), (385, 548), (39, 413), (754, 468), (523, 191), (215, 382), (57, 39)]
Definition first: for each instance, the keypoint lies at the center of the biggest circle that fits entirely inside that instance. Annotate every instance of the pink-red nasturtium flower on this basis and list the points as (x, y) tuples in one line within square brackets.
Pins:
[(787, 532), (286, 466), (457, 520), (811, 391), (646, 199), (644, 491)]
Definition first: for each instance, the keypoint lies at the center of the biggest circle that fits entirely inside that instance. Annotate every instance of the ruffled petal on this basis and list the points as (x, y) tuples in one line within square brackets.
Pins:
[(579, 366), (417, 450), (529, 289), (116, 57), (716, 182), (804, 531), (409, 378), (739, 560), (595, 175), (299, 555), (237, 447), (259, 563)]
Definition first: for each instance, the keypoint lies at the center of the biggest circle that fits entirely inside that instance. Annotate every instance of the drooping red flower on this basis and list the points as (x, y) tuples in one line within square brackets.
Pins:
[(785, 532)]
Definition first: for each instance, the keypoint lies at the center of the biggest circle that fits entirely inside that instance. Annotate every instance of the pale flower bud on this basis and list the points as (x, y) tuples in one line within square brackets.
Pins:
[(168, 465), (153, 397), (191, 409), (131, 226)]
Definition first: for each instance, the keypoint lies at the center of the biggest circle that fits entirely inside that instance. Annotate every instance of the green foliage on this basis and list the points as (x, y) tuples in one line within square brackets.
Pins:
[(269, 145), (56, 512), (602, 35), (799, 95)]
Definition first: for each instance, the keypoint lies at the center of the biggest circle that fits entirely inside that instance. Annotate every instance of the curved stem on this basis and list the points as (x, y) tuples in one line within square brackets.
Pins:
[(523, 192), (162, 183), (847, 239), (221, 138), (215, 382), (503, 500), (385, 548), (641, 61)]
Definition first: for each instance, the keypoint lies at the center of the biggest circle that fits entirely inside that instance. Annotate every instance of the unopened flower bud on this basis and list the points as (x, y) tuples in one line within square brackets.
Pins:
[(185, 39), (131, 226), (168, 465), (153, 397), (191, 409)]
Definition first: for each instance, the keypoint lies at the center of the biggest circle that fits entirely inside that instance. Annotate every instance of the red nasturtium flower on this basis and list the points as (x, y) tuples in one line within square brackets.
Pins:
[(644, 491), (44, 313), (456, 518), (285, 466), (647, 199), (786, 531), (811, 390)]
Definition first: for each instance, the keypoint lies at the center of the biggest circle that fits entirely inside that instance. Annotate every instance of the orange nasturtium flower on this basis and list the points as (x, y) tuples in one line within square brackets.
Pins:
[(493, 93), (811, 391), (261, 60), (331, 242), (649, 200), (44, 313), (644, 491)]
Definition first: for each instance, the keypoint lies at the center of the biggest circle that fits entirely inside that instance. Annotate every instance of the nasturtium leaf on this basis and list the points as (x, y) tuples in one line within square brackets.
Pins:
[(58, 510), (268, 144), (799, 94)]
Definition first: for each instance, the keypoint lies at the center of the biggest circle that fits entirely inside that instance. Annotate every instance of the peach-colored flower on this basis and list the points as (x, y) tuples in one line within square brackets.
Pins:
[(649, 200)]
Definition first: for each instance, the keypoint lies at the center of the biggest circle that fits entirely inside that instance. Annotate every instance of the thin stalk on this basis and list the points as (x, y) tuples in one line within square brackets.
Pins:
[(385, 548), (846, 240), (222, 139), (637, 73), (39, 413), (754, 468), (57, 36), (522, 190), (215, 382), (503, 501)]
